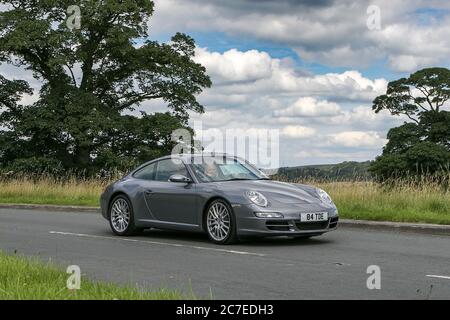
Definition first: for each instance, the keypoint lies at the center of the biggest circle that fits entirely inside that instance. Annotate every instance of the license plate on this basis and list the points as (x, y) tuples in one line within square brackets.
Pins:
[(313, 217)]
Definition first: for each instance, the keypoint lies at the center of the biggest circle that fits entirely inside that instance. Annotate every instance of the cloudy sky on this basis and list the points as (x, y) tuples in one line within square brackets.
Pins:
[(309, 68)]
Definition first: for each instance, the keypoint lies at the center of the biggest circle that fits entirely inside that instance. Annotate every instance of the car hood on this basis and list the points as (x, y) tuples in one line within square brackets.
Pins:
[(275, 191)]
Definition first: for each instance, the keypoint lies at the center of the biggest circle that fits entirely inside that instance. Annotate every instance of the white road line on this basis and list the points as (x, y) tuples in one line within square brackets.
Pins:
[(439, 277), (157, 243)]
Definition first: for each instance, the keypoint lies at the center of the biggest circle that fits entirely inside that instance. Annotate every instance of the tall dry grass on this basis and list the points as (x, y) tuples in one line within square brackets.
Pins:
[(50, 190)]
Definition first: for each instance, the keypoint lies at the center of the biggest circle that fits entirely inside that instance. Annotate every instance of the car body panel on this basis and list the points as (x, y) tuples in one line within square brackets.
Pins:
[(171, 202), (181, 206)]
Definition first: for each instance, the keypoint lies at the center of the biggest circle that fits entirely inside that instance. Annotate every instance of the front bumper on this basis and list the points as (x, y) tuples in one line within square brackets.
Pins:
[(290, 225)]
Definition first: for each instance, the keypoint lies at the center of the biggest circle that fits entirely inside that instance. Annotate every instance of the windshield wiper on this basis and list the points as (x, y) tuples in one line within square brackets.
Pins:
[(238, 179)]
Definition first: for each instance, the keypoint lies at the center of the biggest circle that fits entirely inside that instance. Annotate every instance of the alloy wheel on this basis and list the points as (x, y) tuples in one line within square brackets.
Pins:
[(218, 221), (120, 215)]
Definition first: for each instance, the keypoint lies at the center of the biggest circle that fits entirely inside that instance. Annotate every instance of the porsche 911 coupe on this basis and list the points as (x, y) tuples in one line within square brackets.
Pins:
[(223, 196)]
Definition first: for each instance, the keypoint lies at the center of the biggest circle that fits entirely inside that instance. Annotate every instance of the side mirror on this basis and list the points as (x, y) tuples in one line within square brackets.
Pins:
[(178, 178)]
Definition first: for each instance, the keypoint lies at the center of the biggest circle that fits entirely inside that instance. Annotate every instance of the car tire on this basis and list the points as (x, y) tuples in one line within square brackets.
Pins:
[(226, 218), (121, 216)]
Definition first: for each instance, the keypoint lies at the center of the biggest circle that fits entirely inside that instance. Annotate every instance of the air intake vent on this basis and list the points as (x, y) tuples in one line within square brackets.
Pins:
[(277, 225), (334, 222), (311, 225)]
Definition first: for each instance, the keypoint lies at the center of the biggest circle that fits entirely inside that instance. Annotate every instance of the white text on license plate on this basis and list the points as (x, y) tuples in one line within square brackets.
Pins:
[(311, 217)]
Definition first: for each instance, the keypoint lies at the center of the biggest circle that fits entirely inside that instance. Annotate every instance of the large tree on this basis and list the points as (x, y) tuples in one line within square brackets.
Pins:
[(421, 146), (91, 77)]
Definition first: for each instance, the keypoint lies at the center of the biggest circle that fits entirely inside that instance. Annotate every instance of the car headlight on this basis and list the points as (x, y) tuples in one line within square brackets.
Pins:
[(257, 198), (269, 215), (324, 196)]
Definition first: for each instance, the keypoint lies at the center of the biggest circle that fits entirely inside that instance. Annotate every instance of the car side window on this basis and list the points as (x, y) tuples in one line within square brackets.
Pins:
[(167, 168), (146, 173)]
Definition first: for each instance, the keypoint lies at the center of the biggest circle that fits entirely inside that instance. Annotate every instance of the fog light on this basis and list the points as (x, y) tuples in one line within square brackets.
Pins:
[(269, 215)]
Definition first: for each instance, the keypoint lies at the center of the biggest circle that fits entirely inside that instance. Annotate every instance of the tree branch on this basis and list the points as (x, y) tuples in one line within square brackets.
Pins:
[(427, 96), (413, 119), (73, 76), (138, 99)]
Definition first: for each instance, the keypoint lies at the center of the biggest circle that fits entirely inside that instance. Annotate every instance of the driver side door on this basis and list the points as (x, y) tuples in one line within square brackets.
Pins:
[(171, 202)]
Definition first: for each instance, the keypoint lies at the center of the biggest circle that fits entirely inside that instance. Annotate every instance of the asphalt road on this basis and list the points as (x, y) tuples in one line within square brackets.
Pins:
[(333, 266)]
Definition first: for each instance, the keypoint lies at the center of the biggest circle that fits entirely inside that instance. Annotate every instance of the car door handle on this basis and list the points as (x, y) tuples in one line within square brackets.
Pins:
[(148, 191)]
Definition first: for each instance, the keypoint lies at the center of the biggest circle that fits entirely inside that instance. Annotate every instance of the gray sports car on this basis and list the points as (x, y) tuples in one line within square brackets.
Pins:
[(224, 196)]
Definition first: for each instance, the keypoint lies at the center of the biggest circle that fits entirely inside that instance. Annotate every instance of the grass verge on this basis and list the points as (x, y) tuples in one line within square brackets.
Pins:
[(29, 279), (406, 202)]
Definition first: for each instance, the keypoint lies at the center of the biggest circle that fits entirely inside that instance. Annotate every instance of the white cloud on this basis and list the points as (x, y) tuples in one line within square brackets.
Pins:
[(298, 132), (236, 73), (234, 65), (408, 63), (357, 139), (309, 107)]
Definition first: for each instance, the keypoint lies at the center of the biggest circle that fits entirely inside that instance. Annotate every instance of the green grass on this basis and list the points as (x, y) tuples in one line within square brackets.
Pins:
[(29, 279), (406, 202)]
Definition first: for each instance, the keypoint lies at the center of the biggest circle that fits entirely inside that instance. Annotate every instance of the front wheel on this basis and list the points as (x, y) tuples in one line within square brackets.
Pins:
[(220, 223), (121, 216)]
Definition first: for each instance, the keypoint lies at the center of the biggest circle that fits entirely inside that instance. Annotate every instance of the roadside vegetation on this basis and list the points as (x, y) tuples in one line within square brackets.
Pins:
[(426, 200), (403, 202), (53, 191), (23, 279)]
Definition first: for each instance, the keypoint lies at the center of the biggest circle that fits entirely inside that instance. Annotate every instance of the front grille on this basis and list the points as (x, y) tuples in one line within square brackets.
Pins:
[(334, 222), (277, 225), (311, 225)]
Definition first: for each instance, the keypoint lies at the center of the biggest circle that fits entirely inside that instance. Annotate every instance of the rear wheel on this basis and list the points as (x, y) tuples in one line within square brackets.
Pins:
[(220, 223), (121, 217)]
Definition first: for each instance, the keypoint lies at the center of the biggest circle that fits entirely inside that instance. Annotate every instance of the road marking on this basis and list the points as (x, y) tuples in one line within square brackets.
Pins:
[(82, 235), (439, 277)]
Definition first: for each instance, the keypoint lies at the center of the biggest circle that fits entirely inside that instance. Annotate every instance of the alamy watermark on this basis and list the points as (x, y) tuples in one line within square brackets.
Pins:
[(258, 146), (374, 280), (73, 17), (374, 17), (74, 280)]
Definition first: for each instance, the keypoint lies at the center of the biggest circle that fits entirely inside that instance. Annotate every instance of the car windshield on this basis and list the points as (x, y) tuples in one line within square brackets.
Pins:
[(215, 169)]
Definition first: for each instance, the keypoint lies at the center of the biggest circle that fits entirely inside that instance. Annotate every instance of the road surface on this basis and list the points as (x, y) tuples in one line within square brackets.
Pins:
[(333, 266)]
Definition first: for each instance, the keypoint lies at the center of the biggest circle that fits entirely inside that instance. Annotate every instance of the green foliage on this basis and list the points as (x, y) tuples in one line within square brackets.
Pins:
[(92, 78), (421, 147), (34, 165), (432, 83)]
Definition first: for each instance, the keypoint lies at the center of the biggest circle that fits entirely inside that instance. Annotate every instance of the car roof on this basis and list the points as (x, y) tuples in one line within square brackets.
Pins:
[(187, 157)]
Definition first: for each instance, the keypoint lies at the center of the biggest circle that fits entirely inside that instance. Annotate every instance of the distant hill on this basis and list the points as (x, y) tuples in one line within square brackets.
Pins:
[(349, 170)]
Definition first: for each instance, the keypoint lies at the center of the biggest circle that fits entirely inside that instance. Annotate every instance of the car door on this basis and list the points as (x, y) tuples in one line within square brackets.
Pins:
[(171, 202)]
